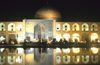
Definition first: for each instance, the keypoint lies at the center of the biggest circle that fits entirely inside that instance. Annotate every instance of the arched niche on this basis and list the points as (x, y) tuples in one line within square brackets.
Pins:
[(39, 31), (85, 27), (94, 27), (66, 27), (75, 27), (20, 27), (57, 27), (2, 27), (11, 27)]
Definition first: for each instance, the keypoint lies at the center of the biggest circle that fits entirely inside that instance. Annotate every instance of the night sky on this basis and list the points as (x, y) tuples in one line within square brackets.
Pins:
[(71, 10)]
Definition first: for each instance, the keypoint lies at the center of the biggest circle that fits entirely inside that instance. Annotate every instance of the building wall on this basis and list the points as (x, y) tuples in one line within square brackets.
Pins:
[(80, 32), (16, 32)]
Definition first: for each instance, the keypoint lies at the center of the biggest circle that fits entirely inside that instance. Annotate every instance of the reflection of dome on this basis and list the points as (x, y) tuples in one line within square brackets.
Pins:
[(48, 13)]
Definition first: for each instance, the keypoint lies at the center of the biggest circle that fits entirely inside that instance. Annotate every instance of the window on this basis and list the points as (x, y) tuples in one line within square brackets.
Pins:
[(19, 27), (11, 27), (94, 27), (85, 27), (66, 27), (75, 27), (58, 27), (2, 27)]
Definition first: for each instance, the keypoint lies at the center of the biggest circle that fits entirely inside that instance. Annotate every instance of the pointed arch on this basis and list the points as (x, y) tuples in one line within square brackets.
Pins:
[(20, 27), (39, 31), (11, 27), (94, 27), (85, 27), (75, 27), (66, 27), (57, 27), (2, 27)]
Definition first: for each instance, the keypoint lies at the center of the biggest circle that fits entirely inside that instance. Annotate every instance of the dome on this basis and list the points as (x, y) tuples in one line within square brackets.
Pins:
[(48, 12)]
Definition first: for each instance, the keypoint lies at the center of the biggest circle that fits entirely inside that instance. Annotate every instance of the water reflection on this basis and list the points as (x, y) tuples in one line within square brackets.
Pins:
[(48, 56)]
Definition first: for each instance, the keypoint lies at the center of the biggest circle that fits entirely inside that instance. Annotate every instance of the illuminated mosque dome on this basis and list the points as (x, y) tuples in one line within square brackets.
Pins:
[(48, 12)]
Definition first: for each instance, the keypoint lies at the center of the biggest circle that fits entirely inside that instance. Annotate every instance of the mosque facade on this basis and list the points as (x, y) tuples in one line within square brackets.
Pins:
[(48, 25)]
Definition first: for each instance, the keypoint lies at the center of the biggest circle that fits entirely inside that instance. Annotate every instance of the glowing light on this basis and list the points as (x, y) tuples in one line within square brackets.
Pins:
[(16, 60), (58, 37), (66, 50), (12, 42), (19, 27), (75, 36), (2, 49), (94, 50), (20, 37), (94, 36), (76, 50), (20, 50), (31, 49), (66, 36), (58, 50), (2, 38), (78, 59)]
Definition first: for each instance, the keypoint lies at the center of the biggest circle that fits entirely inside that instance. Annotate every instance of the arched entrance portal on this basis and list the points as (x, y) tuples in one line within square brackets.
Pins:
[(12, 36), (39, 31)]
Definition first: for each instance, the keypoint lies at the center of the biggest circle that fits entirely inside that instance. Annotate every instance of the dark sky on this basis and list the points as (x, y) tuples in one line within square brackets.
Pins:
[(71, 10)]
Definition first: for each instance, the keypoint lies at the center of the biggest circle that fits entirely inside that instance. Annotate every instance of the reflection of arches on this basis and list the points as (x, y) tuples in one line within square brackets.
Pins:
[(85, 59), (85, 27), (85, 36), (94, 58), (2, 27), (11, 59), (12, 36), (66, 27), (58, 27), (58, 59), (39, 31), (75, 36), (76, 59), (94, 27), (85, 50), (94, 50), (76, 50), (66, 36), (11, 27), (75, 27), (66, 59), (2, 60)]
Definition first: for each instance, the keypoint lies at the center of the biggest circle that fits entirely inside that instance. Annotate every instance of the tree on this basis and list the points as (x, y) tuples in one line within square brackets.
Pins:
[(10, 41), (15, 41)]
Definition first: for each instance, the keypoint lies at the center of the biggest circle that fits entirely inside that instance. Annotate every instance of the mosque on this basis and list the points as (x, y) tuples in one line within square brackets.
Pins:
[(47, 25)]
